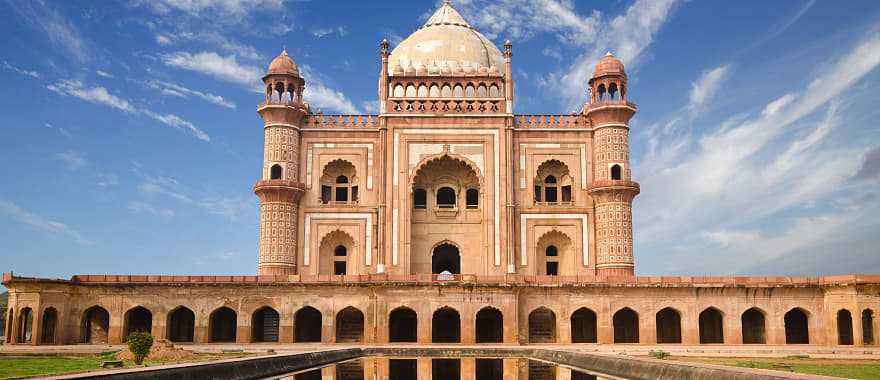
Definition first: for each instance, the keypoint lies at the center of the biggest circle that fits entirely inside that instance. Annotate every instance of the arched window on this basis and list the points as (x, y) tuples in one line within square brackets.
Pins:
[(276, 172), (420, 198), (446, 197), (844, 327), (472, 198), (552, 254), (868, 327), (612, 91), (340, 253), (797, 327), (668, 322), (753, 328), (339, 183), (601, 91), (553, 183), (615, 172)]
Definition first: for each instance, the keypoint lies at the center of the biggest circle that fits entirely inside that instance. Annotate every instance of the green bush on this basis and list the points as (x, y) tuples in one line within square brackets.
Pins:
[(139, 344), (658, 354)]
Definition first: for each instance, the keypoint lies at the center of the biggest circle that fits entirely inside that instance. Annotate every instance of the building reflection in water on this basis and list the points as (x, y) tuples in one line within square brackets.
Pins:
[(464, 368)]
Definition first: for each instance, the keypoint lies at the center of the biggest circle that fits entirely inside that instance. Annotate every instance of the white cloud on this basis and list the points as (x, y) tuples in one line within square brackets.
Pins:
[(100, 95), (230, 207), (41, 223), (706, 87), (61, 32), (106, 180), (233, 9), (227, 69), (370, 106), (183, 92), (627, 34), (60, 130), (141, 207), (104, 74), (29, 73), (163, 40), (73, 159), (324, 32), (754, 167)]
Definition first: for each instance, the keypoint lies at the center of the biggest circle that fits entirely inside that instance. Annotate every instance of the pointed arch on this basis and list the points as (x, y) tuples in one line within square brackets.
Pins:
[(584, 326), (754, 326), (711, 326), (626, 326), (222, 325), (425, 161), (265, 325), (542, 326), (95, 325), (446, 326), (339, 182), (446, 257), (489, 325), (403, 325), (307, 325), (797, 326), (48, 325), (349, 325), (137, 318), (844, 327), (553, 183), (181, 325), (668, 322), (337, 253), (553, 253)]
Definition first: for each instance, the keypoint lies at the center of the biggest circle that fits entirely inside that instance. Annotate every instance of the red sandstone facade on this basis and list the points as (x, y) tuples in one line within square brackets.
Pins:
[(446, 218)]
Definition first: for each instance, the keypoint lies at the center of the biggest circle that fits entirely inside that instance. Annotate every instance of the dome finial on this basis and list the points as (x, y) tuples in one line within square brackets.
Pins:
[(608, 54)]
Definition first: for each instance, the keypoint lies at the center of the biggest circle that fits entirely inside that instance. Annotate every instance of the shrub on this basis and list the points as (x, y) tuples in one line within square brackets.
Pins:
[(658, 354), (139, 344)]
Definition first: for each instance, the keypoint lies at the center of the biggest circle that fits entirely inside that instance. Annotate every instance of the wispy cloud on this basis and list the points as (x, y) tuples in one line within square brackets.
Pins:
[(228, 69), (64, 132), (103, 74), (706, 87), (73, 159), (29, 73), (230, 207), (100, 95), (41, 223), (754, 167), (177, 90), (60, 31), (230, 10), (324, 32), (627, 34), (142, 207)]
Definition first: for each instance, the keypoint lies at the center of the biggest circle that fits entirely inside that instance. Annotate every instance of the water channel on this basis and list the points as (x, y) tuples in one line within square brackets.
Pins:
[(442, 368)]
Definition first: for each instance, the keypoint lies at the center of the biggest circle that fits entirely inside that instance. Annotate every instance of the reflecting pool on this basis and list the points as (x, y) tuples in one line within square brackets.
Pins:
[(442, 368)]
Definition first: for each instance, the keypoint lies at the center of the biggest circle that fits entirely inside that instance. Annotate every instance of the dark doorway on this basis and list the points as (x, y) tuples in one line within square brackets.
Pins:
[(868, 327), (138, 319), (583, 326), (711, 326), (446, 197), (578, 375), (314, 374), (307, 325), (25, 325), (542, 326), (541, 370), (615, 172), (95, 325), (223, 325), (349, 325), (796, 327), (264, 325), (668, 326), (403, 369), (276, 172), (446, 326), (50, 319), (490, 326), (445, 369), (350, 370), (844, 327), (446, 257), (753, 327), (181, 325), (490, 369), (626, 326), (403, 325)]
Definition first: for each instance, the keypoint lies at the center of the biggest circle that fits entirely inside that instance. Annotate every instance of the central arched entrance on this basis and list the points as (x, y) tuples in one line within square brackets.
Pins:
[(349, 325), (446, 258), (490, 326), (307, 325), (403, 325)]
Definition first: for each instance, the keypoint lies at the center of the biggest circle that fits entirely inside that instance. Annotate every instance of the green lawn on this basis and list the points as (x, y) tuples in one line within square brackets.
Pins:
[(850, 369), (45, 365)]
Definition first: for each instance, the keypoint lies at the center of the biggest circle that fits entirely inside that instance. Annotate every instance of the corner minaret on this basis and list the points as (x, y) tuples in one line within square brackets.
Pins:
[(612, 187), (280, 189)]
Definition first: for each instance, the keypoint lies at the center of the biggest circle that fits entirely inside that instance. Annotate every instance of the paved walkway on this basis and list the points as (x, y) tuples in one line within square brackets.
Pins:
[(827, 352)]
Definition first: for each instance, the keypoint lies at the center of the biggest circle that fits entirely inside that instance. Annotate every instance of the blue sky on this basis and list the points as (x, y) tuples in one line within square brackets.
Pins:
[(130, 140)]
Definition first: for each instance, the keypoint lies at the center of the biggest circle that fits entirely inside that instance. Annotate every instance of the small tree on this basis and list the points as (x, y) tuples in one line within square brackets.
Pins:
[(139, 343)]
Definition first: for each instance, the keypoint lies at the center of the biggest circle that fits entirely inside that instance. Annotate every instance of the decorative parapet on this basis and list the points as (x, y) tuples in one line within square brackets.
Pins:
[(610, 102), (445, 106), (551, 121), (427, 279), (342, 121)]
